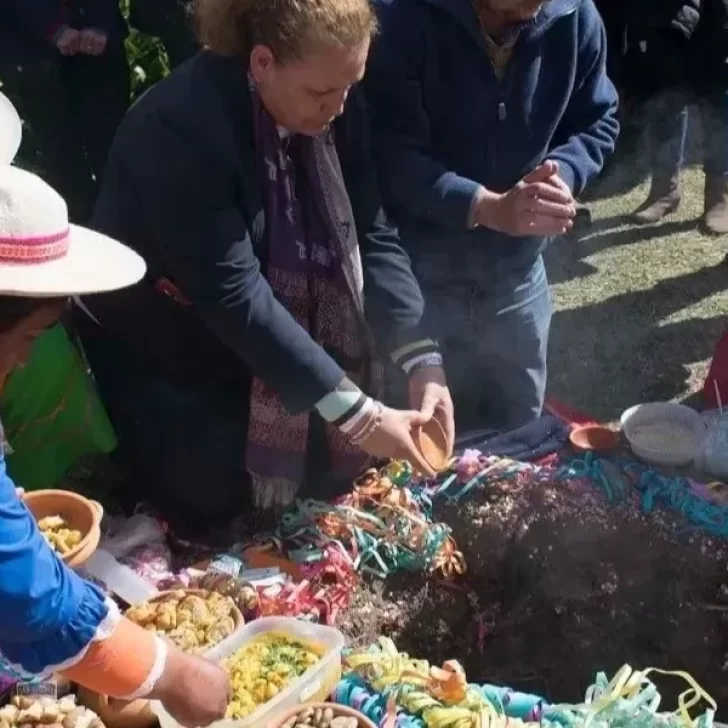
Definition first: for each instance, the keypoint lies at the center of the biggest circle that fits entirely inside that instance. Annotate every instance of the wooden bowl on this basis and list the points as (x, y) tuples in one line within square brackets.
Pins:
[(431, 441), (118, 713), (596, 438), (236, 614), (340, 711), (79, 513)]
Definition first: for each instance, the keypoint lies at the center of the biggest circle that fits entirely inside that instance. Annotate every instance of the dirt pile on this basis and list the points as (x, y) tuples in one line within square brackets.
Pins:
[(562, 584)]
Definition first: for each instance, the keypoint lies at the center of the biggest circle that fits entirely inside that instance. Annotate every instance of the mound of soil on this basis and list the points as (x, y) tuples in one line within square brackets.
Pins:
[(560, 585)]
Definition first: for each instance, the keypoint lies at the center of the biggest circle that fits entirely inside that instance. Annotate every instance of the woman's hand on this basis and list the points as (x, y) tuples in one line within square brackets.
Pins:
[(392, 439), (429, 394)]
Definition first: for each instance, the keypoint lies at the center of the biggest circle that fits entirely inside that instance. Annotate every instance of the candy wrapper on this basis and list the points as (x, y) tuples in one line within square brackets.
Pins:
[(10, 677), (153, 564)]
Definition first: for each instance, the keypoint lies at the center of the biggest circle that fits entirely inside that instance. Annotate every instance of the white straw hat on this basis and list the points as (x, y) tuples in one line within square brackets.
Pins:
[(11, 131), (42, 256)]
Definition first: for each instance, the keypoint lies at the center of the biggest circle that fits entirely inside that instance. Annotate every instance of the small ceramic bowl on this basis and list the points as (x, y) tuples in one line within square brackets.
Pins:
[(677, 433), (596, 438), (78, 512), (432, 443), (283, 720)]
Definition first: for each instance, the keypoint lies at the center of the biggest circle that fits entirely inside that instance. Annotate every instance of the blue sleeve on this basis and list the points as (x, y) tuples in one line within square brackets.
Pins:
[(589, 129), (48, 614), (40, 17), (411, 178)]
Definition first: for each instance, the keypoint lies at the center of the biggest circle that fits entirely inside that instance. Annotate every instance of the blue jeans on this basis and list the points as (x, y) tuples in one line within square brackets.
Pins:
[(494, 332), (669, 128)]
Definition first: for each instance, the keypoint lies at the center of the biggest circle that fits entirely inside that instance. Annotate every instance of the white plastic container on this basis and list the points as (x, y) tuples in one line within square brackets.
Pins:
[(676, 452), (315, 685)]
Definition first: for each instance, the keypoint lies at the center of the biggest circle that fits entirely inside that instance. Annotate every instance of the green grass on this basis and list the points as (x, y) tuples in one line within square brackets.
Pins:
[(638, 309)]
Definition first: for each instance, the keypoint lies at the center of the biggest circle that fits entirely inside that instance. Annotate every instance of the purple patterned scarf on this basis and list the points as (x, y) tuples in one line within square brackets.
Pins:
[(315, 271)]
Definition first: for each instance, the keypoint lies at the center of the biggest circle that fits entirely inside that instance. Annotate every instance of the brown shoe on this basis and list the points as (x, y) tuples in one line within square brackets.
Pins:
[(715, 220), (664, 199)]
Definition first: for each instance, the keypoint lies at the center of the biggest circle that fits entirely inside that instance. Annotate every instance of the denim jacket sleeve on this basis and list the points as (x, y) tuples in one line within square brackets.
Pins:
[(411, 176), (49, 614)]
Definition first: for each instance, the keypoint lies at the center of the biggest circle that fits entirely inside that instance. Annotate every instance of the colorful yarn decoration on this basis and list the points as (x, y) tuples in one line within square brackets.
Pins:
[(631, 700), (385, 524), (353, 692), (393, 689), (614, 477), (473, 470), (439, 697), (524, 706), (382, 526), (326, 589)]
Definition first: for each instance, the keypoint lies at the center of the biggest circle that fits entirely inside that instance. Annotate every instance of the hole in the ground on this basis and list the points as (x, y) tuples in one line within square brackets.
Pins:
[(560, 585)]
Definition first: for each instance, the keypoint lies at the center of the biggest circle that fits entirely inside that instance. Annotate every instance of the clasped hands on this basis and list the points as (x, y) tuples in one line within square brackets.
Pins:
[(541, 204), (89, 41)]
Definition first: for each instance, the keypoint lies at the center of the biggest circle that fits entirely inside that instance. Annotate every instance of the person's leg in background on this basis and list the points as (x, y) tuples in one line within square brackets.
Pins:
[(448, 309), (494, 336), (52, 145), (510, 354), (667, 129), (714, 108), (447, 293), (101, 88)]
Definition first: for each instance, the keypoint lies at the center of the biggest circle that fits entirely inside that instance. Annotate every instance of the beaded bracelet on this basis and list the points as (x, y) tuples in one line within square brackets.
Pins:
[(371, 426)]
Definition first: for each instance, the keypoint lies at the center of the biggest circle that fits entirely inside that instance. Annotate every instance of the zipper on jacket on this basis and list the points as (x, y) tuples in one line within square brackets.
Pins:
[(502, 111)]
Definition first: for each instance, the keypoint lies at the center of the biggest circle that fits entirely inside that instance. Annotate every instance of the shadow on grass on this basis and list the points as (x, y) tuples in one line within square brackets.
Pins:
[(616, 353), (566, 255)]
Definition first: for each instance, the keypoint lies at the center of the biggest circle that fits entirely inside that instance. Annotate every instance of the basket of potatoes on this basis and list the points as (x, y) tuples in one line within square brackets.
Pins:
[(322, 715), (193, 619)]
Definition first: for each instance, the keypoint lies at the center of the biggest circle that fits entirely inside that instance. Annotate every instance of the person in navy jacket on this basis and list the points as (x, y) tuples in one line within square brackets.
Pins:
[(245, 370), (63, 64), (489, 119)]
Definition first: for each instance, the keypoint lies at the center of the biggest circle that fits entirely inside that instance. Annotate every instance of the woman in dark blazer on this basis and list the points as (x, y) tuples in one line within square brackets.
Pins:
[(245, 369)]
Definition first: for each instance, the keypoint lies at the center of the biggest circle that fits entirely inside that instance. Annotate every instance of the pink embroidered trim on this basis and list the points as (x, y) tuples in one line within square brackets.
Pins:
[(38, 249)]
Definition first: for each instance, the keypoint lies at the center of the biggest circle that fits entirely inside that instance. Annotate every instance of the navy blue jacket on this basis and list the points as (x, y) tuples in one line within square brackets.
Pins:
[(27, 26), (443, 124), (182, 188)]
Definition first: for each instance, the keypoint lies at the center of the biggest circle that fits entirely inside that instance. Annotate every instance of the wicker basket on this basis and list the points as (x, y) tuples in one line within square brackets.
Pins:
[(236, 614), (340, 711)]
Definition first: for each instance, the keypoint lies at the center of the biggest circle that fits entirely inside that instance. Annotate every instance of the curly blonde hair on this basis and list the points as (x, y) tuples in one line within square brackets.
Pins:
[(288, 27)]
